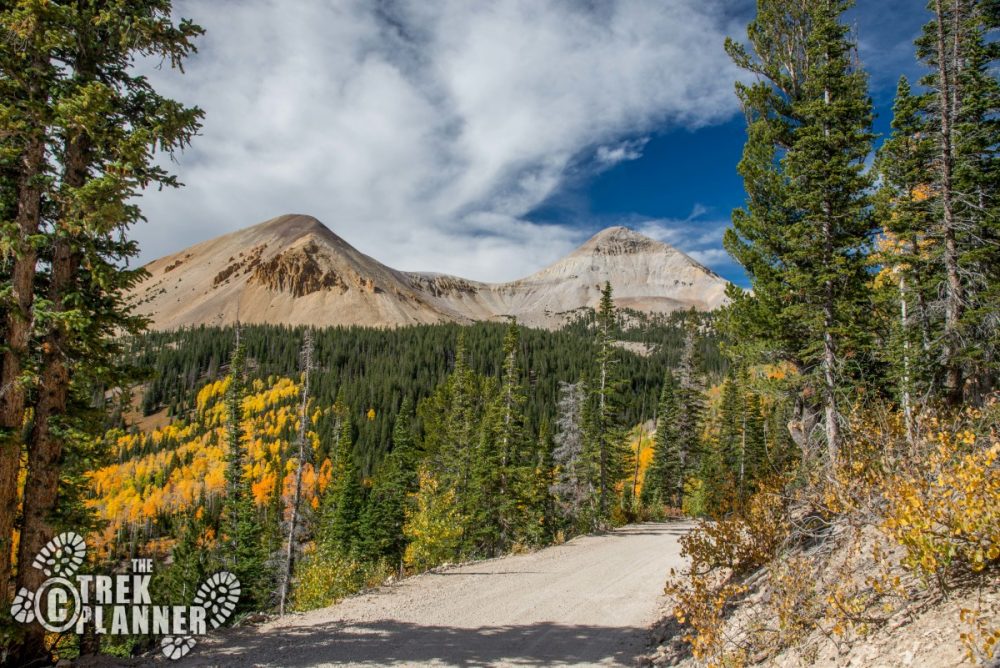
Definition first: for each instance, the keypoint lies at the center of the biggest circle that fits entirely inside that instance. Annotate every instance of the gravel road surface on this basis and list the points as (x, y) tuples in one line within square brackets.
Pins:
[(586, 602)]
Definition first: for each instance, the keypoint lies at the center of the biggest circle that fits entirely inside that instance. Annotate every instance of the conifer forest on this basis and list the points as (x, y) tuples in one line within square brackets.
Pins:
[(829, 437)]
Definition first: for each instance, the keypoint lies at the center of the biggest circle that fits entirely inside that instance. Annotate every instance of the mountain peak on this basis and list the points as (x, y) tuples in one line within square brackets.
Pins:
[(292, 226), (293, 270), (616, 231), (618, 240)]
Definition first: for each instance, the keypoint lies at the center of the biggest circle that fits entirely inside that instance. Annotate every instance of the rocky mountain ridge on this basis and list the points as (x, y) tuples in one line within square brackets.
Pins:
[(294, 270)]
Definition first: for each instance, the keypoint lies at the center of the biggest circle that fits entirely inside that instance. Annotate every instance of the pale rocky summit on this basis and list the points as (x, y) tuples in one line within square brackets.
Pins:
[(294, 270)]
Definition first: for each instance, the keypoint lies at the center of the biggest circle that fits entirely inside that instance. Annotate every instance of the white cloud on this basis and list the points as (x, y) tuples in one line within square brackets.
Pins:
[(697, 235), (423, 132), (609, 156)]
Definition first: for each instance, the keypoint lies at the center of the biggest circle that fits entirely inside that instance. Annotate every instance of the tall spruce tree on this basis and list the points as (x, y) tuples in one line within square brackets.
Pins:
[(805, 232), (732, 410), (606, 434), (342, 504), (541, 481), (77, 144), (244, 549), (452, 420), (962, 117), (385, 511), (664, 480), (738, 445), (503, 468), (346, 525), (908, 275), (28, 75), (690, 419), (755, 465)]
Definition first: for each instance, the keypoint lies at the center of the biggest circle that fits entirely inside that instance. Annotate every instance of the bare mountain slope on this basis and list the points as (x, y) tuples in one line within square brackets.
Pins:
[(294, 270)]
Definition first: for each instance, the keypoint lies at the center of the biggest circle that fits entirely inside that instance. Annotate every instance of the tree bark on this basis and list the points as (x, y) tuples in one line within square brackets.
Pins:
[(286, 582), (45, 441), (829, 346), (904, 323), (17, 333), (955, 298), (830, 387)]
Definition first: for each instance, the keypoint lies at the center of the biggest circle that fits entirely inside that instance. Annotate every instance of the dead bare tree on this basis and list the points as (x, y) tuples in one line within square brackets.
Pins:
[(286, 578)]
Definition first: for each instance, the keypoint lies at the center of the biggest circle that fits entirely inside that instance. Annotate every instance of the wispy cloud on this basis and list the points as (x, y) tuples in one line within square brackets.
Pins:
[(423, 132), (699, 235), (611, 155)]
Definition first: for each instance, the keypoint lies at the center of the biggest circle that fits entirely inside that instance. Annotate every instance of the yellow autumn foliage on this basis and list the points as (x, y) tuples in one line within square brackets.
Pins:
[(892, 510), (433, 526), (947, 515), (170, 470)]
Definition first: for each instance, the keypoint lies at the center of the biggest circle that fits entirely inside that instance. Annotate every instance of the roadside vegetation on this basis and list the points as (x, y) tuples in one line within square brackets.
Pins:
[(875, 295)]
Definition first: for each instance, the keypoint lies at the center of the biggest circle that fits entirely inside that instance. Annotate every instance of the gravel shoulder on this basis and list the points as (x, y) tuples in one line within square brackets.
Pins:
[(590, 601)]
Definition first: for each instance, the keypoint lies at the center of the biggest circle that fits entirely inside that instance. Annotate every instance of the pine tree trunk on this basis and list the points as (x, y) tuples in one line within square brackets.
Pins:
[(830, 390), (904, 325), (602, 436), (45, 442), (954, 300), (45, 448), (286, 582), (17, 334)]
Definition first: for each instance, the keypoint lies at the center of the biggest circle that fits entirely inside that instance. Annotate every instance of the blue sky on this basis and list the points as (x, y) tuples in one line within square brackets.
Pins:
[(694, 196), (484, 139)]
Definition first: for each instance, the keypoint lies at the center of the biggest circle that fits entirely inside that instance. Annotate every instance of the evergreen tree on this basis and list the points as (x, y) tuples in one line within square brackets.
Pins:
[(190, 563), (730, 435), (735, 456), (754, 448), (79, 134), (962, 118), (453, 433), (344, 531), (717, 487), (384, 513), (543, 478), (27, 76), (690, 416), (664, 481), (606, 434), (903, 206), (235, 452), (504, 468), (244, 550), (805, 231), (342, 505)]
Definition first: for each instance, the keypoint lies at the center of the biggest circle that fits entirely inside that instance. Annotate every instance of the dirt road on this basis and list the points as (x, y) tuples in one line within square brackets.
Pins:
[(587, 602)]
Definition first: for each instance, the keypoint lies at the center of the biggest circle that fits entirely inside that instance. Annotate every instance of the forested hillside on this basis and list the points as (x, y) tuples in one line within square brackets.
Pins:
[(376, 369), (413, 447)]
